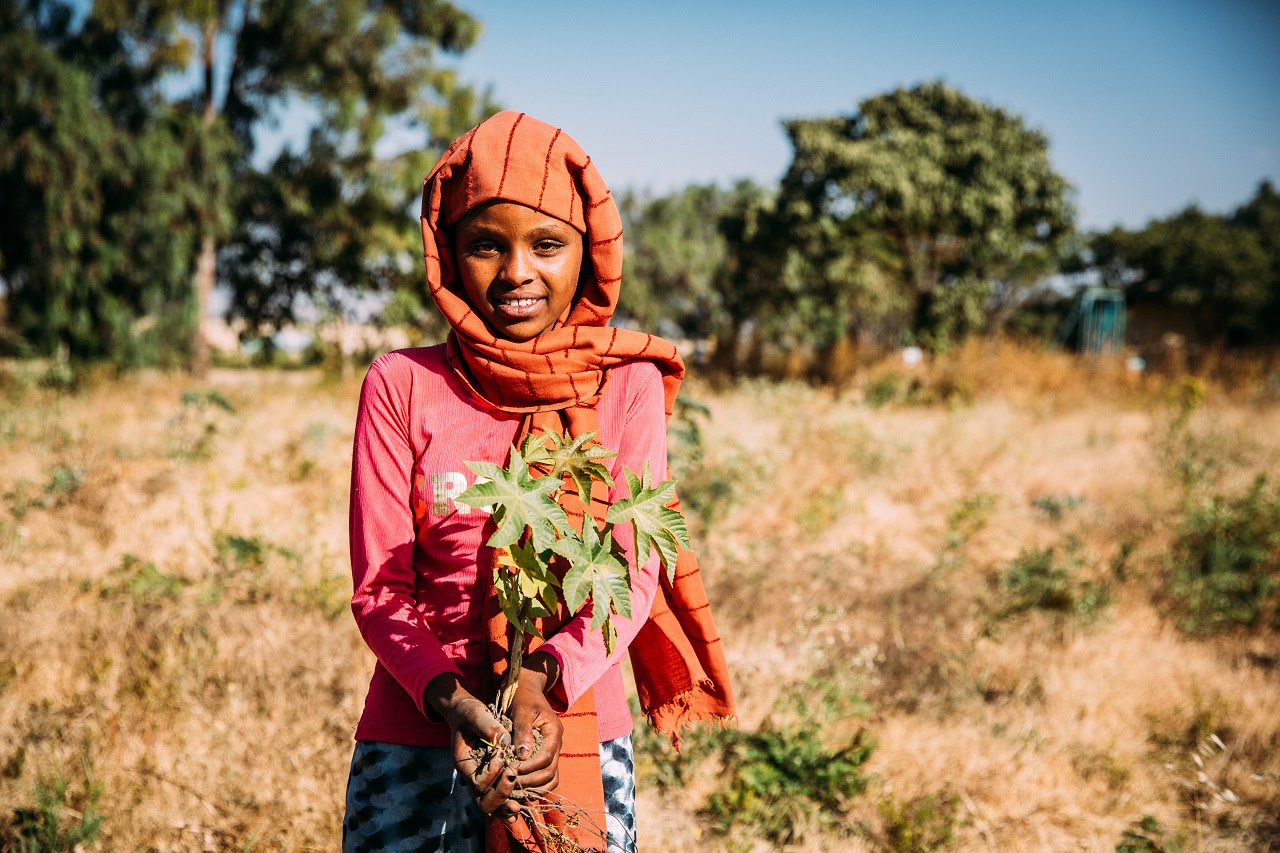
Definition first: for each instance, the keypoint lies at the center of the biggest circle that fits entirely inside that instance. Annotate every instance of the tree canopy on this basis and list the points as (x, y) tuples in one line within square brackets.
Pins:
[(955, 198), (1223, 270), (130, 156)]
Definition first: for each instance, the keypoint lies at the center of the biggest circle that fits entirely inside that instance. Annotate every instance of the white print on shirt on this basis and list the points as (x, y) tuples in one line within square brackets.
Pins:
[(447, 485)]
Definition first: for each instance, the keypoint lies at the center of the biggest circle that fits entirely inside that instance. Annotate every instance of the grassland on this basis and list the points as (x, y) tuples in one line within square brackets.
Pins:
[(947, 597)]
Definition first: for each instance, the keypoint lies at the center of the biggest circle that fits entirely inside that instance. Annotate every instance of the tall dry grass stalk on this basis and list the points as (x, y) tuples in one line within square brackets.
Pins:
[(173, 586)]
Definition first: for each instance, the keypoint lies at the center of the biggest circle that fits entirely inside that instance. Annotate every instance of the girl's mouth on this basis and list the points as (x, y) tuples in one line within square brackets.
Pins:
[(518, 306)]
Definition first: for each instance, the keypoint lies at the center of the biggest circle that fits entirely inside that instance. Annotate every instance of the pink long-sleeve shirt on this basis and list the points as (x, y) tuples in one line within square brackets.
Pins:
[(418, 559)]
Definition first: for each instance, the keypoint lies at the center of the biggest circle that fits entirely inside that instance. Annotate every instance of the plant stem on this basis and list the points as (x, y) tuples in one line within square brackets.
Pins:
[(515, 660)]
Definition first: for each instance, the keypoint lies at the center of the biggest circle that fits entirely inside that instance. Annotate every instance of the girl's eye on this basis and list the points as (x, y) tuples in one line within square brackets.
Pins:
[(482, 247), (547, 246)]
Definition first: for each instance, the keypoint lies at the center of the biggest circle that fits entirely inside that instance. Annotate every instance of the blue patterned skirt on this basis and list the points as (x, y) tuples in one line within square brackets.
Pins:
[(410, 799)]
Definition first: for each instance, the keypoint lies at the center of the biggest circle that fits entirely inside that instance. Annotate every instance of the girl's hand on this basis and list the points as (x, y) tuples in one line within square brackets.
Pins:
[(474, 727), (530, 711)]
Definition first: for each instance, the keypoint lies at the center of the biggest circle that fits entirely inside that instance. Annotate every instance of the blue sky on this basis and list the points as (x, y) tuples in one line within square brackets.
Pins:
[(1149, 105)]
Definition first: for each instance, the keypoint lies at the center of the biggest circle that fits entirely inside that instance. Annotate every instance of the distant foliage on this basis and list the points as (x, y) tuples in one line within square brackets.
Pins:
[(923, 215), (1224, 566), (125, 199), (1222, 271)]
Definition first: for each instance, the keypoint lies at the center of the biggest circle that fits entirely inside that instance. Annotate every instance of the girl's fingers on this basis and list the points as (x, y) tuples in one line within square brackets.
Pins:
[(496, 797)]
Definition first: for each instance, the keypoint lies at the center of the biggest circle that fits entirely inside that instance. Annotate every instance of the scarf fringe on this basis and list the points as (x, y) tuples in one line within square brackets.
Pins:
[(678, 713)]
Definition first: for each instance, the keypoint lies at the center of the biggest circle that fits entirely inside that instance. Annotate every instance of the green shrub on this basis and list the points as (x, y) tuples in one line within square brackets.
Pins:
[(796, 773), (142, 580), (1224, 565), (885, 389), (1037, 580), (781, 782)]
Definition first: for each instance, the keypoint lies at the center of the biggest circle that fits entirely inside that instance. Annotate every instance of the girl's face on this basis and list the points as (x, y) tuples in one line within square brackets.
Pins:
[(519, 267)]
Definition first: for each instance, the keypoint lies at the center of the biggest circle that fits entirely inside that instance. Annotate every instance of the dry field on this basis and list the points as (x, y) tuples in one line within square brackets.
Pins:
[(942, 595)]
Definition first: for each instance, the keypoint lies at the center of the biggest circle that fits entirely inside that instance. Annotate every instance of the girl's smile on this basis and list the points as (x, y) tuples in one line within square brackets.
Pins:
[(519, 267)]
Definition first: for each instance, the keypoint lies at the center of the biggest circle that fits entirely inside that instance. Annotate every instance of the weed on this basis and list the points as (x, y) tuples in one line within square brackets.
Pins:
[(243, 568), (1224, 565), (142, 580), (1036, 580), (885, 389), (709, 490), (686, 449), (193, 429), (1147, 836), (780, 783), (919, 825), (970, 515), (206, 399), (63, 481), (821, 509), (785, 779), (661, 764), (1055, 506), (60, 821)]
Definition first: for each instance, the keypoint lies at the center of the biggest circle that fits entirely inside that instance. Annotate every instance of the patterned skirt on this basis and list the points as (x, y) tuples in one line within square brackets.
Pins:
[(410, 799)]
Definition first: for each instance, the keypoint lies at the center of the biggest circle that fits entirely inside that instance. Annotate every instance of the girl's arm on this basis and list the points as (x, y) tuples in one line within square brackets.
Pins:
[(383, 533), (579, 650)]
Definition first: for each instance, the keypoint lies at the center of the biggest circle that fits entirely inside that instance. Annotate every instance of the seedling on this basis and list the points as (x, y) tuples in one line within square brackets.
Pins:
[(544, 559), (532, 530)]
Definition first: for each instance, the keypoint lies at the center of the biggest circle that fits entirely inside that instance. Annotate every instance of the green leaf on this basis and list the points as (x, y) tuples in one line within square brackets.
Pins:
[(526, 587), (655, 523), (575, 457), (518, 502), (596, 574)]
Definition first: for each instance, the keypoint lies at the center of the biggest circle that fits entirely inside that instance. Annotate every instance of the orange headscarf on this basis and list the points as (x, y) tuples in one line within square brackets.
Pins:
[(557, 379)]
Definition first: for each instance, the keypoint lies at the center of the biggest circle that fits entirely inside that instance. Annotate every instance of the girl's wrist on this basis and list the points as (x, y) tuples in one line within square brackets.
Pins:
[(444, 694), (543, 670)]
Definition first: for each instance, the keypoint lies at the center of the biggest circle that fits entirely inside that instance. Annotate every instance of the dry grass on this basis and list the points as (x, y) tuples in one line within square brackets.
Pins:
[(173, 580)]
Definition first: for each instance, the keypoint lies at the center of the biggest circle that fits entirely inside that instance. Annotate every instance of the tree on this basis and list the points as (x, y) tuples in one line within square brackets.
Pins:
[(675, 252), (97, 188), (1261, 215), (314, 225), (1223, 270), (955, 198)]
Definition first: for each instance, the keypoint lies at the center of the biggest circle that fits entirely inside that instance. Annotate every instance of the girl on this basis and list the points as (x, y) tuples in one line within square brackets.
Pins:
[(523, 251)]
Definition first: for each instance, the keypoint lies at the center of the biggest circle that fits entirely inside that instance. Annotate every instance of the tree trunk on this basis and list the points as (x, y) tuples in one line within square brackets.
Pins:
[(207, 264), (206, 271)]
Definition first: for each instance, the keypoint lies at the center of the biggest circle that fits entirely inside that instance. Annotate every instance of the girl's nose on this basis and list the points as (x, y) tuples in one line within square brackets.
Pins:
[(518, 267)]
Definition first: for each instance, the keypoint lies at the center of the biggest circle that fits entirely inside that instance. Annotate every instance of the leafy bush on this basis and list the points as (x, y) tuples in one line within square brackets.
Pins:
[(885, 389), (788, 778), (1224, 565), (1036, 580), (780, 782)]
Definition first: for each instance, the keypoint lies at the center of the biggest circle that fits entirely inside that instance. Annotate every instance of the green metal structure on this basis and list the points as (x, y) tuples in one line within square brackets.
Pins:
[(1096, 323)]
